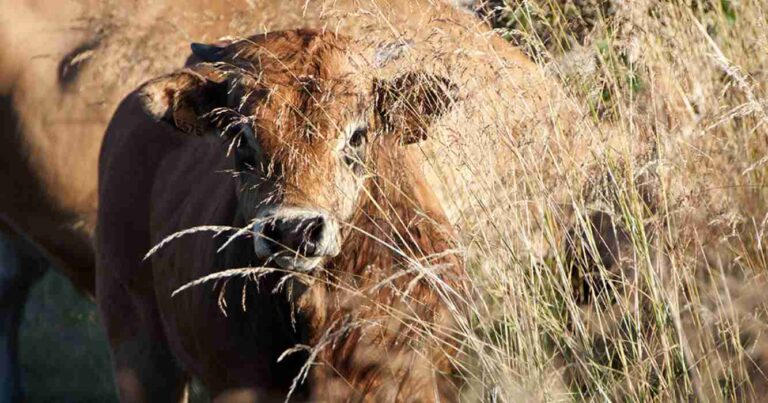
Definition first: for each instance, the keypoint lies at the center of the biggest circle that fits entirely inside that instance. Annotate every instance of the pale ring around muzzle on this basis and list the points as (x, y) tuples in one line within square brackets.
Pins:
[(295, 238)]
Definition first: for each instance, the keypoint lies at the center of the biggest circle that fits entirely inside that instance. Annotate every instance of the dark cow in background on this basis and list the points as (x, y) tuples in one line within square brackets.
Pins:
[(289, 135)]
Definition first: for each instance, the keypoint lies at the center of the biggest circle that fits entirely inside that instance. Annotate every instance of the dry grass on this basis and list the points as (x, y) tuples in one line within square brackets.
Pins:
[(677, 97), (670, 143), (672, 148)]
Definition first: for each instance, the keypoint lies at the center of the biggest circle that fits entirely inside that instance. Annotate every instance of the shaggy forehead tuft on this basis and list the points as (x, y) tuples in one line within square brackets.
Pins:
[(291, 57), (315, 87)]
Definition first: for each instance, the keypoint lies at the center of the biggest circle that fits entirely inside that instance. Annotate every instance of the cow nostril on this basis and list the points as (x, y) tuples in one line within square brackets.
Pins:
[(311, 237), (270, 233), (298, 235), (315, 229)]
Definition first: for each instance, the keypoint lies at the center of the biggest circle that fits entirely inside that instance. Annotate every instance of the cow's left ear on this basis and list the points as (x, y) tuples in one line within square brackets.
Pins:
[(185, 98), (407, 105)]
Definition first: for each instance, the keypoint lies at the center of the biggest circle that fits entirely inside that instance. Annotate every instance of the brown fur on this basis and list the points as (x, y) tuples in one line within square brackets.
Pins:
[(50, 191), (399, 297), (61, 123), (383, 315), (157, 340)]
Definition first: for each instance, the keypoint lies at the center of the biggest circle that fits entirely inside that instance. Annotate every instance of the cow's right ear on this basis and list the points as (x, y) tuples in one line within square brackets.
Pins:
[(186, 98), (407, 105)]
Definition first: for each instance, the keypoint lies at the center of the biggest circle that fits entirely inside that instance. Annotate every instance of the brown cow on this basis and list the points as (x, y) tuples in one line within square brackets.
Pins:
[(315, 163), (65, 65)]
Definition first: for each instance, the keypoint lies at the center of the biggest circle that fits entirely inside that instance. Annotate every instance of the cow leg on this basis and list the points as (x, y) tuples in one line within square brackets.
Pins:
[(245, 395), (20, 267), (145, 369)]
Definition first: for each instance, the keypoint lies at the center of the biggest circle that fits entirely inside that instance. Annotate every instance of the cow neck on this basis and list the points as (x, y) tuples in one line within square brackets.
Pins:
[(370, 306)]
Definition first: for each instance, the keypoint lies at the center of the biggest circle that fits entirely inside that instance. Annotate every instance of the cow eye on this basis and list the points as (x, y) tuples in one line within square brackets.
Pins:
[(245, 153), (354, 154), (358, 137)]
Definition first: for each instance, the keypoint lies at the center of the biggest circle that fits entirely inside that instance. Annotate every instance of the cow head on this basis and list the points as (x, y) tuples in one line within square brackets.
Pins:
[(303, 116)]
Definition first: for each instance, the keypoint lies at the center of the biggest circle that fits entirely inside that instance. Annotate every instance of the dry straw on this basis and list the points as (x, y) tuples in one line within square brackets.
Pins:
[(665, 139)]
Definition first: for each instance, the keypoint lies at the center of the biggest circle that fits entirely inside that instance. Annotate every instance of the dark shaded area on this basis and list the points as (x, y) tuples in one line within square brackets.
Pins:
[(585, 262), (20, 267), (64, 352), (63, 348)]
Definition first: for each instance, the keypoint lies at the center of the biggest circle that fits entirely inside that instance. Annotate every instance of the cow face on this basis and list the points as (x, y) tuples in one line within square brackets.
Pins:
[(302, 120)]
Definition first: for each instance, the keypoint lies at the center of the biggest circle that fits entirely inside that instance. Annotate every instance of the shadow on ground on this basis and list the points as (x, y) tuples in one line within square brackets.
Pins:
[(63, 348)]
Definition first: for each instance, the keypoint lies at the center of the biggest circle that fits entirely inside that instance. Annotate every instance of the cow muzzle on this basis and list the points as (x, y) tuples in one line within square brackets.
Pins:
[(296, 239)]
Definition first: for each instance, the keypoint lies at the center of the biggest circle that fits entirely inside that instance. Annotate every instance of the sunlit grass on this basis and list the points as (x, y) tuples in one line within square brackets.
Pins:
[(681, 315)]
